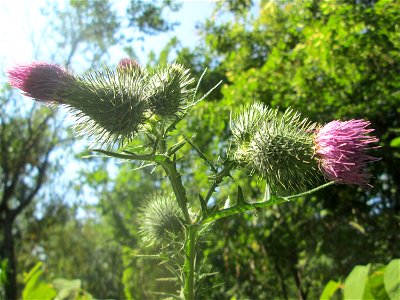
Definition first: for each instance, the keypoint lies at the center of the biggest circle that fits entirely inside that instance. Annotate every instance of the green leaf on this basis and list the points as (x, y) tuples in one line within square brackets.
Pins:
[(392, 279), (355, 283), (240, 197), (67, 289), (395, 142), (34, 287), (375, 288), (357, 226), (329, 290)]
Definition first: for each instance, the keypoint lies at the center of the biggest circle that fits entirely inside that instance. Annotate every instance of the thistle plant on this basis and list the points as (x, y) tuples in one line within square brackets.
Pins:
[(114, 106)]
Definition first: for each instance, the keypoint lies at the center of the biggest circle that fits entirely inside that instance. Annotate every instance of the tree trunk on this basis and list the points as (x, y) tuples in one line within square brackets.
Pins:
[(297, 279), (8, 253)]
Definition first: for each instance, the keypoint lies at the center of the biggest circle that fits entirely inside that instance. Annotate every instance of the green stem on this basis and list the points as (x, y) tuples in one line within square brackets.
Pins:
[(144, 157), (190, 242), (189, 265), (177, 186), (241, 207), (218, 179), (311, 191)]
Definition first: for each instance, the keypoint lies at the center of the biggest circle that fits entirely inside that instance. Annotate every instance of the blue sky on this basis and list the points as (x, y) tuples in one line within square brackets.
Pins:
[(21, 22)]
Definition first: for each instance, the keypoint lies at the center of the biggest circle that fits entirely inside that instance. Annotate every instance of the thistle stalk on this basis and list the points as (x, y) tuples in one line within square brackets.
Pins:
[(244, 206), (191, 230), (177, 186), (189, 265)]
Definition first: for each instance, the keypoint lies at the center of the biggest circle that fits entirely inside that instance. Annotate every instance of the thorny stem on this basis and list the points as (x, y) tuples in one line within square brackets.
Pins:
[(189, 265), (158, 158), (190, 243), (218, 179), (240, 207), (310, 191), (177, 186)]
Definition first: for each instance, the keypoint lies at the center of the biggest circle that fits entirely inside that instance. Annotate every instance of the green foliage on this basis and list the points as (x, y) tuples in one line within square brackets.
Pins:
[(148, 17), (354, 286), (3, 276), (330, 290), (395, 142), (91, 28), (60, 289), (392, 279), (368, 282), (35, 287), (89, 25), (127, 276)]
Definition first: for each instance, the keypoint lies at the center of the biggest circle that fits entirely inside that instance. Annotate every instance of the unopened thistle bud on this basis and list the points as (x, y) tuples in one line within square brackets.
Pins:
[(161, 220), (277, 147), (109, 105), (340, 147), (169, 92)]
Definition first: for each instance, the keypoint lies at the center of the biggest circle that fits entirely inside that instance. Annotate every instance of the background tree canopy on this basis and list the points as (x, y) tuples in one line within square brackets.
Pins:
[(326, 59)]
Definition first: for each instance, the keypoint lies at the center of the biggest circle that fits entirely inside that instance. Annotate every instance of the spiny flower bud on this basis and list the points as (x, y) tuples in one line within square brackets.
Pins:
[(277, 147), (340, 147), (161, 219), (168, 90), (108, 104)]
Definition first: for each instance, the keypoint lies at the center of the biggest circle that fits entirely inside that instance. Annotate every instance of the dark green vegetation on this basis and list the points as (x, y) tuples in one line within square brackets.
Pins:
[(326, 59)]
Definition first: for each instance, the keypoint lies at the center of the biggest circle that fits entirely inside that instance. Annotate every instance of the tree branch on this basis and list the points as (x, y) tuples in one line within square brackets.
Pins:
[(39, 182)]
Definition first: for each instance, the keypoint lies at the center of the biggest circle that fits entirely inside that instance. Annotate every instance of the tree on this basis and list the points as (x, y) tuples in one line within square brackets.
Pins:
[(78, 28), (26, 145)]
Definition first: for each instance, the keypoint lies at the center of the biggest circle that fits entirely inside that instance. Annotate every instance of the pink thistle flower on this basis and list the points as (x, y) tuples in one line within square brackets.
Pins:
[(41, 81), (340, 148), (128, 63)]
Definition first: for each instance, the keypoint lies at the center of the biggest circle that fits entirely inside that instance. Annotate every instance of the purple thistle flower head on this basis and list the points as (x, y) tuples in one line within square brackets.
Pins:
[(341, 147), (41, 81), (128, 63)]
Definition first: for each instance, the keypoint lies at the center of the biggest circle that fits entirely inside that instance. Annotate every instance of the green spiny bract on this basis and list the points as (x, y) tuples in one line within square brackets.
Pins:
[(161, 220), (110, 104), (168, 90), (245, 125), (277, 147)]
